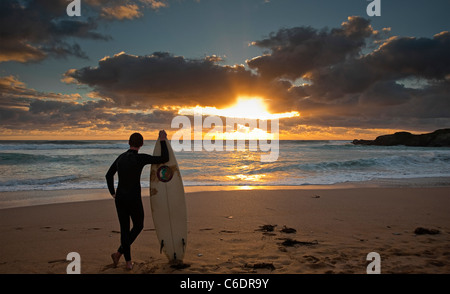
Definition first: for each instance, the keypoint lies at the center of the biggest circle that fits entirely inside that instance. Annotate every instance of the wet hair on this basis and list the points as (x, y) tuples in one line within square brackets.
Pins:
[(136, 140)]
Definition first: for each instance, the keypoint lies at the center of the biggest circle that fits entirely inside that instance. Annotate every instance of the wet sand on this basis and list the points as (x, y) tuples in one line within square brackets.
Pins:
[(229, 232)]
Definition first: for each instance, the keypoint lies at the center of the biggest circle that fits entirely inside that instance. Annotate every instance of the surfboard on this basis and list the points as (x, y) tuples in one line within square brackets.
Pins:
[(168, 206)]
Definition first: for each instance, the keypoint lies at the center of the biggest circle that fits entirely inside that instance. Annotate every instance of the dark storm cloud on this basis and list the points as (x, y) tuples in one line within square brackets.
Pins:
[(26, 109), (385, 104), (34, 29), (354, 77), (349, 81), (50, 115), (296, 51), (162, 78), (31, 30), (405, 56), (397, 59), (348, 88)]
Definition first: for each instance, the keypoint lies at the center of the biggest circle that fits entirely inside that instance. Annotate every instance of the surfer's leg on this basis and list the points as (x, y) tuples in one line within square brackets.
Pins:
[(124, 220), (125, 238), (137, 217)]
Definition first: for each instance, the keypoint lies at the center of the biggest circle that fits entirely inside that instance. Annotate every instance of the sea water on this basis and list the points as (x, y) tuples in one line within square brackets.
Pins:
[(53, 165)]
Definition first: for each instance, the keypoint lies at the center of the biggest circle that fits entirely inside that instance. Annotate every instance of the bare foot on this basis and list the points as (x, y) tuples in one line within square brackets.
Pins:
[(115, 257), (130, 265)]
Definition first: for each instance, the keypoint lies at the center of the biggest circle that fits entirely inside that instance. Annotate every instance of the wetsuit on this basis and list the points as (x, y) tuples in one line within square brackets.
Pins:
[(128, 200)]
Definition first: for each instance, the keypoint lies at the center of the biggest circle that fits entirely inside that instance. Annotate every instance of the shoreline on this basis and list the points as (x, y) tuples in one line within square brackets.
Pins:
[(335, 230), (12, 199)]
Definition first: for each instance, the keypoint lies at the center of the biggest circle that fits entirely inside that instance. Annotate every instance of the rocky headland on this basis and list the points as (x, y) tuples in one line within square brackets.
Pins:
[(438, 138)]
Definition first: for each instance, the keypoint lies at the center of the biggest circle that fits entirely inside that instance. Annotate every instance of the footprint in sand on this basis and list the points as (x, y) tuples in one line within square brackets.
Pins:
[(290, 242), (262, 265), (435, 262), (58, 261), (311, 258), (287, 230), (266, 228)]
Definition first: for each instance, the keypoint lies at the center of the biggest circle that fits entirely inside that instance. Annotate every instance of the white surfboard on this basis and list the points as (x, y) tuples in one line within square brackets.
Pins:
[(168, 205)]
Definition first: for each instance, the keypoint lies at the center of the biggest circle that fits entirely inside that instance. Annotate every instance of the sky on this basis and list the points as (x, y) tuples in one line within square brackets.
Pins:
[(325, 68)]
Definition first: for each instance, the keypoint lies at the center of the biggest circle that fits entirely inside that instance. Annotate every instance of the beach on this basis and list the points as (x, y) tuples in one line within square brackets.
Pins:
[(328, 230)]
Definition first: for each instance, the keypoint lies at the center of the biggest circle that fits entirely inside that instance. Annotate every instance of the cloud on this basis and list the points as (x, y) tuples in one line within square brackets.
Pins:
[(164, 79), (396, 59), (348, 77), (155, 4), (410, 56), (24, 110), (120, 12), (352, 77), (34, 30), (296, 51), (19, 50)]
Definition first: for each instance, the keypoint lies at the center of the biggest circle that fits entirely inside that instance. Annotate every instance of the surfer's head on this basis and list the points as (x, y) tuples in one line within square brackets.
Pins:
[(136, 140)]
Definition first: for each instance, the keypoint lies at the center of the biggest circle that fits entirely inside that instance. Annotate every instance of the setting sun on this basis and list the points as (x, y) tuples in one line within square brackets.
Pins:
[(248, 110), (246, 107)]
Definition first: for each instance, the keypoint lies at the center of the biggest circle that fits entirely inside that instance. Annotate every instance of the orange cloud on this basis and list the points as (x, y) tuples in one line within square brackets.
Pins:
[(19, 51), (155, 4), (120, 12)]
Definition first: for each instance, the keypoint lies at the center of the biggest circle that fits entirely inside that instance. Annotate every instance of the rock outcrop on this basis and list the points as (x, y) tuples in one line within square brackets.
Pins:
[(438, 138)]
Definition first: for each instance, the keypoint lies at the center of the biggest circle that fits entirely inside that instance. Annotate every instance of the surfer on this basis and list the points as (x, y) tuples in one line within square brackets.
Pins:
[(128, 200)]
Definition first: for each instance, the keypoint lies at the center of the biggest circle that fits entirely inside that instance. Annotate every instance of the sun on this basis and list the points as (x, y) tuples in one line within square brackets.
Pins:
[(253, 108), (252, 116), (245, 107)]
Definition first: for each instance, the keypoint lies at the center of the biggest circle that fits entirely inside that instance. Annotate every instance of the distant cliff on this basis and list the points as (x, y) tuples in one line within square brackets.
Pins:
[(438, 138)]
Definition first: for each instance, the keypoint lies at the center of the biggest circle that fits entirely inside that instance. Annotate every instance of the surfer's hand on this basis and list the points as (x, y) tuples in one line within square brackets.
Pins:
[(162, 135), (113, 196)]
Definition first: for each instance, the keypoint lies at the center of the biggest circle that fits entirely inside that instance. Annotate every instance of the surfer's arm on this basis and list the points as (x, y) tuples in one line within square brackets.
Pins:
[(110, 178), (151, 159), (164, 152)]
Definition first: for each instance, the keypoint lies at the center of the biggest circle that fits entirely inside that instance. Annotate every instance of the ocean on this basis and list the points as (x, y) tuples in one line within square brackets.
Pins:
[(54, 165)]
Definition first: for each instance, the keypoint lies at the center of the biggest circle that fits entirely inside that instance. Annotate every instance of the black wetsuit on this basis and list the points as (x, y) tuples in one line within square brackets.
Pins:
[(128, 200)]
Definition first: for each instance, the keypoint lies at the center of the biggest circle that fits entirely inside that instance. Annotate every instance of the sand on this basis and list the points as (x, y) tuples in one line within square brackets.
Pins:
[(335, 230)]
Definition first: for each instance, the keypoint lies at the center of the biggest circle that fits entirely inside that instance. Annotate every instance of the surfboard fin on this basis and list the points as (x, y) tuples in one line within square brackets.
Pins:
[(184, 244), (162, 245)]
